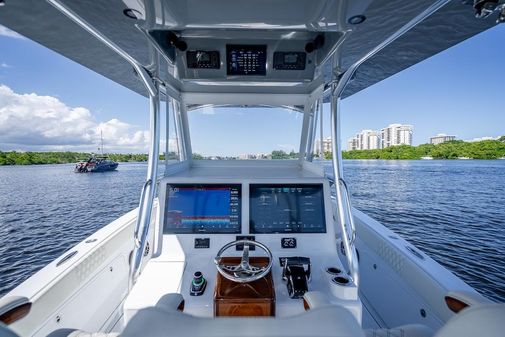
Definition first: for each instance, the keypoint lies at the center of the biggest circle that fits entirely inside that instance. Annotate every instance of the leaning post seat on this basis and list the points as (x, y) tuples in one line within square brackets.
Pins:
[(161, 321)]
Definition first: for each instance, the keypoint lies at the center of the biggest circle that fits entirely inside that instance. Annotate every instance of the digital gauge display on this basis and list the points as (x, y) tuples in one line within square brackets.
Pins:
[(284, 60), (293, 208), (245, 60), (209, 208)]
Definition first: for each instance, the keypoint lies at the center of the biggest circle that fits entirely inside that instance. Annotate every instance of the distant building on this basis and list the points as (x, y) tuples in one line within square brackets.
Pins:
[(365, 140), (252, 156), (326, 147), (396, 134), (352, 144), (369, 140), (441, 138)]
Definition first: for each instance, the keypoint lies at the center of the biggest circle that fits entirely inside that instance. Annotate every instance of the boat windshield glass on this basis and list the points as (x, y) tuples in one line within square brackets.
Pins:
[(245, 132)]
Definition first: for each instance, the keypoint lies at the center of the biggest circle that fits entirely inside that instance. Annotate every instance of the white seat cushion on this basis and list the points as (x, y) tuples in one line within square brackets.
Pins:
[(484, 321), (409, 330), (327, 321)]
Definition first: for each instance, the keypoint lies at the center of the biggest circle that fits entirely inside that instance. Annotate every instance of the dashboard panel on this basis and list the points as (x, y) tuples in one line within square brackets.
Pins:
[(202, 208), (286, 208)]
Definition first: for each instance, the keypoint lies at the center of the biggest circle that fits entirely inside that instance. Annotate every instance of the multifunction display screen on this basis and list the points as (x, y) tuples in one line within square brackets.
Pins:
[(289, 60), (209, 208), (295, 208), (246, 59)]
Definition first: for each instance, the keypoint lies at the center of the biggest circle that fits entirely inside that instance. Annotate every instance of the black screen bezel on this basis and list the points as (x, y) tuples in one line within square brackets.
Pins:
[(252, 229), (238, 230)]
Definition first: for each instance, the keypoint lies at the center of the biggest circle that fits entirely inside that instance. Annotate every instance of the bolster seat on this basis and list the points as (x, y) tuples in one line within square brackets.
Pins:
[(157, 321)]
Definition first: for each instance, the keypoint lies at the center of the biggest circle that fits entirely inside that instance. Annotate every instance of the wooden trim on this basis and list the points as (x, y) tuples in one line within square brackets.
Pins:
[(306, 305), (181, 306), (454, 304), (255, 298), (16, 313)]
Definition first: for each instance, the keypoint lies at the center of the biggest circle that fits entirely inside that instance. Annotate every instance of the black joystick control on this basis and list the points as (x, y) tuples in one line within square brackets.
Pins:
[(198, 284)]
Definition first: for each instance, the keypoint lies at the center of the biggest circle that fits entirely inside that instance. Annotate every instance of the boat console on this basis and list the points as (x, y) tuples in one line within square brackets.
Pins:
[(240, 240)]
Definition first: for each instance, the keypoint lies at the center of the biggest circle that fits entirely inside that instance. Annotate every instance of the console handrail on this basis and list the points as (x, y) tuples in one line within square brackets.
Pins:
[(141, 209), (349, 210)]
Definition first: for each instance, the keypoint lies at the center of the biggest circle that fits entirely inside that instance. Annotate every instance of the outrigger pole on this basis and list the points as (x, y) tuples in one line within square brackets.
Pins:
[(336, 89)]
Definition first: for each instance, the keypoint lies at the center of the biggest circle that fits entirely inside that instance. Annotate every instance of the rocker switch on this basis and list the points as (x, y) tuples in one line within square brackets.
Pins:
[(198, 284)]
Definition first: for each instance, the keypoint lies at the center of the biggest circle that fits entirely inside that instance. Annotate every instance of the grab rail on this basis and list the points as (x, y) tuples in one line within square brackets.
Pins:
[(141, 211), (349, 210)]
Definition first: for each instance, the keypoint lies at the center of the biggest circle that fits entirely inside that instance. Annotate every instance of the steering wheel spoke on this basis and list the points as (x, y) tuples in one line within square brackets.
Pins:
[(244, 271), (230, 268)]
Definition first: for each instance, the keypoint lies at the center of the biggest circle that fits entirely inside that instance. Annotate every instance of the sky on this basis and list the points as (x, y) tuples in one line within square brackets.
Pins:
[(48, 102)]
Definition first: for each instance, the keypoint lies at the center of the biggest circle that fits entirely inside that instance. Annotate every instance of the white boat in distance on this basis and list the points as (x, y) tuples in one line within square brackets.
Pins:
[(273, 254)]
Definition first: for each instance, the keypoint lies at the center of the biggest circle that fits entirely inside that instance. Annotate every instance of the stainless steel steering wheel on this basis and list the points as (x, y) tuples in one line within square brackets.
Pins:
[(243, 272)]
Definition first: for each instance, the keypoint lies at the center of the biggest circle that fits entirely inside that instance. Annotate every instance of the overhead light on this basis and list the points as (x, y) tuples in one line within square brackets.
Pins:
[(131, 13), (356, 19), (2, 3)]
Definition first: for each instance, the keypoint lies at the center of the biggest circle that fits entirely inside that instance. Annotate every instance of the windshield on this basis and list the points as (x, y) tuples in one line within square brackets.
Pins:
[(245, 132)]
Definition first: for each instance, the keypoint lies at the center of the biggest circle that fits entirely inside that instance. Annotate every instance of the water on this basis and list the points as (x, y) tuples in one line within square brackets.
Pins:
[(452, 210)]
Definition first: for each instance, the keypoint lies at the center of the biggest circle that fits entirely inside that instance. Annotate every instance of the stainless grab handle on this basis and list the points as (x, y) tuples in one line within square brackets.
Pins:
[(141, 210)]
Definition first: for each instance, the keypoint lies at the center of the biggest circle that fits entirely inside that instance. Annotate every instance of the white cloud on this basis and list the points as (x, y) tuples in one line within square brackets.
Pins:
[(4, 31), (34, 122), (4, 65)]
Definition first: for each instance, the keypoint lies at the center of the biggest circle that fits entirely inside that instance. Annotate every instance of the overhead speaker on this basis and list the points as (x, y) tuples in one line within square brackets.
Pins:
[(317, 43), (175, 41)]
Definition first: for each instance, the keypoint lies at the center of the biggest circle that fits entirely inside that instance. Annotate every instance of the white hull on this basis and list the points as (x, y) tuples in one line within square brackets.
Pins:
[(85, 291), (88, 291)]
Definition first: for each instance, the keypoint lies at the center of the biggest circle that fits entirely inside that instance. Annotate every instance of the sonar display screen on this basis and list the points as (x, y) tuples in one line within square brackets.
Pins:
[(206, 208)]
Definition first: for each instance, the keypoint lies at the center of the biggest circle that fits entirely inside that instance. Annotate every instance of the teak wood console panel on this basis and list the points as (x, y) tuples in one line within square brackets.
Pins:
[(245, 299)]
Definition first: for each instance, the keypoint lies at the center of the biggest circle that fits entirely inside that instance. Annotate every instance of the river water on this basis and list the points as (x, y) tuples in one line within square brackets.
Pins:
[(452, 210)]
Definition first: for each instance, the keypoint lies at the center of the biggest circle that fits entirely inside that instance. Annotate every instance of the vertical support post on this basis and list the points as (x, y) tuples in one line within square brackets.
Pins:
[(344, 214), (305, 131), (178, 130), (167, 129), (313, 131), (321, 140), (185, 131), (149, 189)]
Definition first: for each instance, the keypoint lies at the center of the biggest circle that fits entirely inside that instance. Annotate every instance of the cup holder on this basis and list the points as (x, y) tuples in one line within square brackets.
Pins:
[(340, 280), (333, 271)]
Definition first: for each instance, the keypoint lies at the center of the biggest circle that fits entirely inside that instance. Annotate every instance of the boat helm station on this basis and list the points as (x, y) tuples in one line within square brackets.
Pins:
[(247, 247)]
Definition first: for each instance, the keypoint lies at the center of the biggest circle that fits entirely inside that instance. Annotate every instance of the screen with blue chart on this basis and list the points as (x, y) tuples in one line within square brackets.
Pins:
[(208, 208)]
